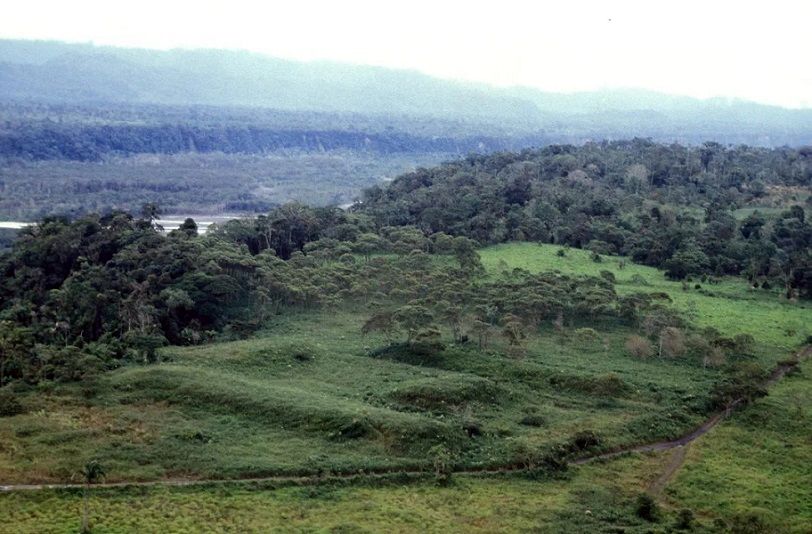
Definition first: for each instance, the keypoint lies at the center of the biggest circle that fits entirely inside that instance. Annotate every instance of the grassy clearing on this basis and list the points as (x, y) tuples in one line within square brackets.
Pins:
[(295, 403), (470, 504), (759, 462), (730, 305), (307, 396)]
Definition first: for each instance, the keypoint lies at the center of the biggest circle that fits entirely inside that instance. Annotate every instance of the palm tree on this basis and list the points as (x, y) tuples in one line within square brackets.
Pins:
[(92, 472)]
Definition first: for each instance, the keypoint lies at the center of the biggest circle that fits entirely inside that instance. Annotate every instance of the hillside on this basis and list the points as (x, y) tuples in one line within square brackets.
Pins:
[(303, 400), (232, 78), (566, 327)]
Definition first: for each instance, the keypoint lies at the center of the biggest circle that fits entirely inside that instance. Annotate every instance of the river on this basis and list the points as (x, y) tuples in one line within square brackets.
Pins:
[(168, 224)]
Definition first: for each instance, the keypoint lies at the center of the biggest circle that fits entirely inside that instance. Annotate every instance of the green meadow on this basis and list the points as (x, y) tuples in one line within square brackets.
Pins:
[(309, 396), (727, 304)]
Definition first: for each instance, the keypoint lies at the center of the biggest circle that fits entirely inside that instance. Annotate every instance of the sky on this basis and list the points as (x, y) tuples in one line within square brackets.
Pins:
[(748, 49)]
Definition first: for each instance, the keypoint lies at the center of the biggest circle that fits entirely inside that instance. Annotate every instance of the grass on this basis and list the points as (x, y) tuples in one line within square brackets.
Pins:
[(294, 403), (308, 395), (730, 305), (470, 504), (759, 462)]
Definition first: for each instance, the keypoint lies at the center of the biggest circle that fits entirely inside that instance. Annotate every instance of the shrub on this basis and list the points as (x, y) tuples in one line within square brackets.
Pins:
[(685, 519), (607, 385), (638, 280), (745, 382), (586, 335), (553, 462), (744, 343), (609, 276), (442, 464), (445, 394), (646, 507), (9, 405), (560, 253), (355, 429), (672, 342), (584, 440), (715, 357), (639, 347), (669, 422), (751, 522), (533, 420), (540, 463)]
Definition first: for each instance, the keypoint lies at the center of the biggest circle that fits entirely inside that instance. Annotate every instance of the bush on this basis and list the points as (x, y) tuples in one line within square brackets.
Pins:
[(608, 385), (442, 462), (584, 440), (9, 405), (586, 335), (639, 347), (646, 507), (752, 522), (609, 276), (685, 519), (445, 393), (672, 342), (472, 428), (745, 382), (533, 420), (744, 343), (667, 422), (638, 280), (355, 429)]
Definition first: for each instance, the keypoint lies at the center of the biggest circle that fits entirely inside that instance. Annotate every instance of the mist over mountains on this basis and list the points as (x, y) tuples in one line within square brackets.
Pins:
[(54, 72)]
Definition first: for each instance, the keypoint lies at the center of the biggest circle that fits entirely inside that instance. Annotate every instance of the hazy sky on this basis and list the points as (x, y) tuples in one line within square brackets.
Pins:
[(758, 50)]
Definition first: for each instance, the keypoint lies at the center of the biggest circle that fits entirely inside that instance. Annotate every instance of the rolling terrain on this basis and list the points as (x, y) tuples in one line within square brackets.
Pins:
[(303, 402)]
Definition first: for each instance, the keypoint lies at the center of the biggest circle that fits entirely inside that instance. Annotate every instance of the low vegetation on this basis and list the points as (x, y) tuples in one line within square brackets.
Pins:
[(324, 344)]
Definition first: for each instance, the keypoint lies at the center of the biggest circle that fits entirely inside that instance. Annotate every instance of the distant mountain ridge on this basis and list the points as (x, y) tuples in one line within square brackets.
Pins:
[(46, 71)]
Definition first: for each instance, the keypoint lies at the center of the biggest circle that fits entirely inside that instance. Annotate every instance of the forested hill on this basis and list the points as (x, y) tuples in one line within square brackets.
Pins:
[(234, 78), (92, 143), (90, 74), (691, 211), (113, 284)]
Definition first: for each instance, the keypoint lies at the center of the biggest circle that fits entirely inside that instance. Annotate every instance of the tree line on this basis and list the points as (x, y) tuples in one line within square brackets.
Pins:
[(52, 141), (89, 294), (668, 206)]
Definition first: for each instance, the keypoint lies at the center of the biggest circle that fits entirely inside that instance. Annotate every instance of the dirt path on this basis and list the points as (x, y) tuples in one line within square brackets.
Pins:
[(656, 488), (677, 459)]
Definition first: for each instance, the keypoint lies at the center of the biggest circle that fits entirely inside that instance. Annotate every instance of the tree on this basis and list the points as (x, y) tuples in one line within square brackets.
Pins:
[(671, 342), (151, 212), (91, 473), (513, 330), (467, 256), (188, 227), (639, 347), (383, 322), (411, 319), (452, 316), (687, 260), (442, 462), (15, 345), (369, 243), (481, 330)]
